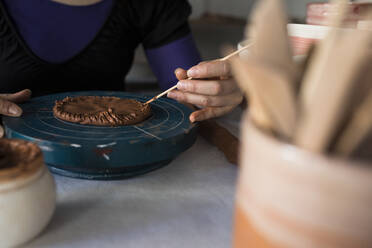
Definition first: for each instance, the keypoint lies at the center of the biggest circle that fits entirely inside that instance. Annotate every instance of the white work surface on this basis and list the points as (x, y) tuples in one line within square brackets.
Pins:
[(188, 203)]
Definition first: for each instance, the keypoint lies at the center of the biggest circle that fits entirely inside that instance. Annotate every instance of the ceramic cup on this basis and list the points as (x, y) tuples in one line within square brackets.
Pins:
[(303, 36), (27, 192), (289, 197), (299, 58)]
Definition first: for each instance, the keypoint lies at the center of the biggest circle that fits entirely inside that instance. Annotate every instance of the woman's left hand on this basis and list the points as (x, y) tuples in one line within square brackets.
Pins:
[(212, 88)]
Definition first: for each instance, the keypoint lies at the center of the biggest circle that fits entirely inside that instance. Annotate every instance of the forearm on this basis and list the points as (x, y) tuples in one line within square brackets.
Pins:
[(165, 60)]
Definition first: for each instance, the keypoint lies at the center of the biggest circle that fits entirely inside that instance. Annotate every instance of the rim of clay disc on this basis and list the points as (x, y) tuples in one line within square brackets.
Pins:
[(31, 159)]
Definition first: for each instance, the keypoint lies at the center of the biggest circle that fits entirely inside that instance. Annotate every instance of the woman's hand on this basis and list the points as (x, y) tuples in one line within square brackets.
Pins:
[(212, 88), (8, 106)]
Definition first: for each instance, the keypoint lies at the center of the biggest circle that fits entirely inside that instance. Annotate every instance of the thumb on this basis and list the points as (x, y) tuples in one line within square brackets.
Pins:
[(209, 113), (9, 108), (18, 97), (180, 73)]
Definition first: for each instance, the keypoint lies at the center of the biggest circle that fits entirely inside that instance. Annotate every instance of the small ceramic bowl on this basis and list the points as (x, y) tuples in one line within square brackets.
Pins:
[(27, 192)]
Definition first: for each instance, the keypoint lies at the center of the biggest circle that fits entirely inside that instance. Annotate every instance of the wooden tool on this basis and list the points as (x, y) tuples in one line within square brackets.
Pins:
[(271, 96), (271, 40), (222, 59), (357, 129), (267, 76), (302, 65), (328, 86), (320, 57)]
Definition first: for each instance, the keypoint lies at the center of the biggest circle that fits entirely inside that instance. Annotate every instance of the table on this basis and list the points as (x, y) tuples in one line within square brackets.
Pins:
[(188, 203)]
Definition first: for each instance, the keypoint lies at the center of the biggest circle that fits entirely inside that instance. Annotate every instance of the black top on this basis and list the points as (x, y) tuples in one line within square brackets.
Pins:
[(104, 62)]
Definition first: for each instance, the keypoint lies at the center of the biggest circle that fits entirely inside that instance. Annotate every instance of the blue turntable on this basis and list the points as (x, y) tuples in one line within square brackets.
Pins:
[(104, 153)]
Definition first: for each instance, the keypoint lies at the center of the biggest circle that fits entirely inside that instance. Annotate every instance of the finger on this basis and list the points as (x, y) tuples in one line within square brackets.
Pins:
[(209, 113), (206, 101), (192, 107), (9, 108), (1, 131), (180, 73), (203, 62), (208, 87), (210, 70), (17, 97)]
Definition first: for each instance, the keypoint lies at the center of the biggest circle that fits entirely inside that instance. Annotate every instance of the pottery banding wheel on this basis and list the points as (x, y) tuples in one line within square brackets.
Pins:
[(101, 110), (104, 152)]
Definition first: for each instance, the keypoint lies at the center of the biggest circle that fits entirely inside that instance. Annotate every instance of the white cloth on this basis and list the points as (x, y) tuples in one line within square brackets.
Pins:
[(189, 203)]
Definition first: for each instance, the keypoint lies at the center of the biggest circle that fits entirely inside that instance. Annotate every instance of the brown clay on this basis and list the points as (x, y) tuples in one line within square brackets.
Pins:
[(101, 110)]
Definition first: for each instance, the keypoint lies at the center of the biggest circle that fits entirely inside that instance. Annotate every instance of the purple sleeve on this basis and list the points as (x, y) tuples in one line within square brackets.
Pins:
[(164, 60)]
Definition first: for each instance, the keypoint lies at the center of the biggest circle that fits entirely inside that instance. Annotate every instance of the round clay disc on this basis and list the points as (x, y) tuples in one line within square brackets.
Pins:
[(101, 110)]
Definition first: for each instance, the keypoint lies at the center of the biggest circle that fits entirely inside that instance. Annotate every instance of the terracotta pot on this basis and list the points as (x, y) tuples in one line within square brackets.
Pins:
[(288, 197), (27, 192)]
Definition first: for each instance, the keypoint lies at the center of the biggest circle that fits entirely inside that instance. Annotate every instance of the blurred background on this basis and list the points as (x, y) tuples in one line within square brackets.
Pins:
[(214, 23)]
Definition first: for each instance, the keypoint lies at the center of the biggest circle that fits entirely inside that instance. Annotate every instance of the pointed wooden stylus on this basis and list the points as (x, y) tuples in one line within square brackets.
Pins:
[(222, 59)]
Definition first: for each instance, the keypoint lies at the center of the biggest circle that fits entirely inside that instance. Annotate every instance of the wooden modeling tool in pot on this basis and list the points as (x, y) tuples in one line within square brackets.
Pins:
[(268, 74), (175, 87), (327, 93), (358, 128), (271, 42), (272, 100), (328, 105), (319, 59)]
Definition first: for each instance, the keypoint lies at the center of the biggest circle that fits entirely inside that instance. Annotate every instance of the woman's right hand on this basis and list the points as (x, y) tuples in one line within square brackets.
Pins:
[(8, 104)]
